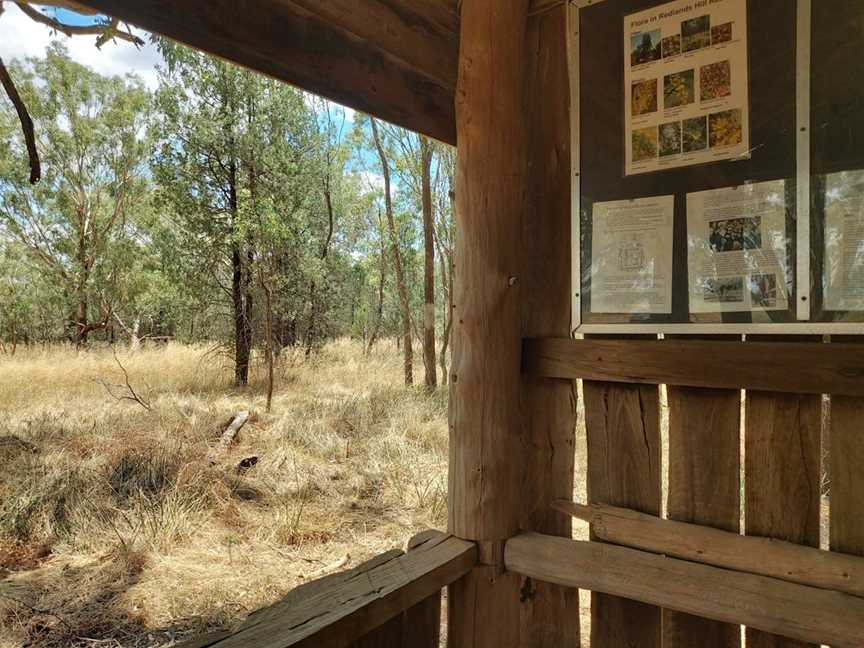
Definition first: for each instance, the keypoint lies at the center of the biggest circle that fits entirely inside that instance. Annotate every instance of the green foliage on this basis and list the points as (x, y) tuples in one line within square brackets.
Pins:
[(79, 224), (195, 211)]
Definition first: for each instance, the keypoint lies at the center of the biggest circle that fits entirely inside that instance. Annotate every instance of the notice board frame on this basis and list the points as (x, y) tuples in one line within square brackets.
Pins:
[(802, 176)]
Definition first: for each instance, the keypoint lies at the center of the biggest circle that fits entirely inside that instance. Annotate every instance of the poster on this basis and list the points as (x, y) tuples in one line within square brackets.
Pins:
[(631, 268), (686, 85), (844, 241), (737, 249)]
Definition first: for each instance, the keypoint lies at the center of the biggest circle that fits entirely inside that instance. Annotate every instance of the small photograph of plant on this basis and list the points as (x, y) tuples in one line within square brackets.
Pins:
[(715, 81), (670, 139), (695, 134), (643, 98), (672, 46), (696, 33), (721, 33), (678, 89), (645, 47), (724, 128), (644, 143)]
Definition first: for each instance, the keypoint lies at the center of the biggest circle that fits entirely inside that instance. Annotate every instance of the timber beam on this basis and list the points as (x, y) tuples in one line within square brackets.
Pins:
[(394, 59), (764, 556), (790, 367), (796, 611)]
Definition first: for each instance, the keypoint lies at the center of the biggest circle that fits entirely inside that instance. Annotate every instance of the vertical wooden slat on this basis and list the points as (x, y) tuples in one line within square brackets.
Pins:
[(388, 635), (549, 614), (846, 463), (421, 627), (704, 488), (782, 476), (623, 428)]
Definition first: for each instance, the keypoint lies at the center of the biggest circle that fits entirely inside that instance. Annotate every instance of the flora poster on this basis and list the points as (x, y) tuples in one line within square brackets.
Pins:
[(686, 85)]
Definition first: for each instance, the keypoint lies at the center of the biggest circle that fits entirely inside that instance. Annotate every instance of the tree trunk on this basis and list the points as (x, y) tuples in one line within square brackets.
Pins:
[(426, 151), (242, 335), (312, 332), (241, 347), (267, 287), (397, 260), (382, 275), (81, 330)]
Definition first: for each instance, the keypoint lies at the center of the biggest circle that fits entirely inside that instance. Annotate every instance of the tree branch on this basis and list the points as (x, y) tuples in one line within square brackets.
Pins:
[(104, 31), (26, 122)]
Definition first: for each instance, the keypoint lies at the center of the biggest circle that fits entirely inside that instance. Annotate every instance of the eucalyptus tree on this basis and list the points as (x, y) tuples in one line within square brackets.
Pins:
[(80, 224), (398, 263), (236, 165)]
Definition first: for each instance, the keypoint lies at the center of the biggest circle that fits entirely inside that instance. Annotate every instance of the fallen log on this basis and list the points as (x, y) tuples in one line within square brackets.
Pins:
[(228, 436)]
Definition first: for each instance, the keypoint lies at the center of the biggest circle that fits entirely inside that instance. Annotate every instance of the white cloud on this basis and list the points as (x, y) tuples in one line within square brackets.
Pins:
[(20, 37)]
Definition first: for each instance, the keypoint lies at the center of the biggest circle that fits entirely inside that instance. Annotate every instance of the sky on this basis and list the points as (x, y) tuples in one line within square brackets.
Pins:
[(21, 37)]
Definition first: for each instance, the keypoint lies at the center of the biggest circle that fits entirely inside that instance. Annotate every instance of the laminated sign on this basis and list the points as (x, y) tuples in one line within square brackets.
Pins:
[(686, 85)]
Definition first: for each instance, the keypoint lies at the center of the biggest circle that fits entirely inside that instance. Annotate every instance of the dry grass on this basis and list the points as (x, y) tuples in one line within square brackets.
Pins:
[(114, 529)]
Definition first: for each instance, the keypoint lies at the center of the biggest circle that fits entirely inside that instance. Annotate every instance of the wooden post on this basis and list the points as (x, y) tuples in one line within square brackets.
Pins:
[(549, 613), (485, 427)]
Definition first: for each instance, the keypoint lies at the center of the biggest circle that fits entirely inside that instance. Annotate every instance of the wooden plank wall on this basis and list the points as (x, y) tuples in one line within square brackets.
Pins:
[(781, 487)]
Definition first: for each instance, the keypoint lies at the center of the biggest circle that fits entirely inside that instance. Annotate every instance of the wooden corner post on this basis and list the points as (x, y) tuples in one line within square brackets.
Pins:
[(485, 427)]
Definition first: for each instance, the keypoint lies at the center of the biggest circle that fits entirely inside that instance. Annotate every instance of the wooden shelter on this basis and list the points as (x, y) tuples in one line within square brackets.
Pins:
[(493, 77)]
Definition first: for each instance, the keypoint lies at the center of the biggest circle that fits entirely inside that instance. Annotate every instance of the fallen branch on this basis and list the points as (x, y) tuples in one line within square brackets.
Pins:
[(329, 569), (228, 436), (127, 391), (26, 123)]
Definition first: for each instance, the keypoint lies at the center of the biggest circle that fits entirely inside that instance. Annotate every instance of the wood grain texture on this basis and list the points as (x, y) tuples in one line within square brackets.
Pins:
[(803, 613), (486, 467), (729, 550), (549, 614), (623, 428), (782, 470), (395, 59), (388, 635), (341, 609), (794, 367), (483, 609), (846, 462), (704, 488), (485, 427)]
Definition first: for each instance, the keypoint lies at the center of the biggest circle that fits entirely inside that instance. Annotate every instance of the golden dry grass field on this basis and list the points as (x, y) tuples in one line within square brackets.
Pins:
[(115, 530)]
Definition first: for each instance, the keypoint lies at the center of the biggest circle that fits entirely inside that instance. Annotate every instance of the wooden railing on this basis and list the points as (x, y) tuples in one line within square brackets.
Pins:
[(391, 601), (809, 598), (693, 579)]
